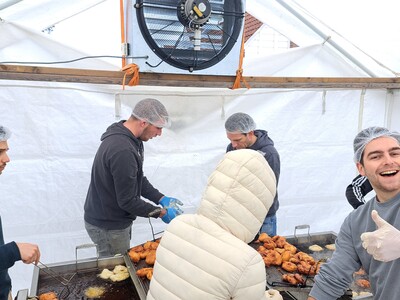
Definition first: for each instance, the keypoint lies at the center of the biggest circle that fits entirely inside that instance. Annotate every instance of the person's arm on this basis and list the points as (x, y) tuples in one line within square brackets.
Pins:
[(336, 275), (9, 254), (356, 191), (13, 252), (125, 169)]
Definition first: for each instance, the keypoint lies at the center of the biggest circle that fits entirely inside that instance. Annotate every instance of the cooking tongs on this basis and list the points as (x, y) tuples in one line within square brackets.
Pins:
[(64, 281), (54, 274)]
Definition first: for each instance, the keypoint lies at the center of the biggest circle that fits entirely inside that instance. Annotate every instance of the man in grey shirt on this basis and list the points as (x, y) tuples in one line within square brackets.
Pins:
[(369, 236)]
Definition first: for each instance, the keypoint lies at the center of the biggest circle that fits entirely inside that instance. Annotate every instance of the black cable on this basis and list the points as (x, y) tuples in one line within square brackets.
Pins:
[(70, 61)]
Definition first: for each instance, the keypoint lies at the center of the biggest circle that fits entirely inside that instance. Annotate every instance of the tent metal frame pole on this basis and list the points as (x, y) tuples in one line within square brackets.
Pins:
[(9, 3), (326, 38)]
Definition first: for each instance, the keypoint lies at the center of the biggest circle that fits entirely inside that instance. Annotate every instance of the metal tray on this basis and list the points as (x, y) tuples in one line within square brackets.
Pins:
[(303, 242), (142, 284), (85, 276)]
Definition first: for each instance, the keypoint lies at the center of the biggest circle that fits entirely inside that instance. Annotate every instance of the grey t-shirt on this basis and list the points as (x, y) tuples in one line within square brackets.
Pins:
[(336, 275)]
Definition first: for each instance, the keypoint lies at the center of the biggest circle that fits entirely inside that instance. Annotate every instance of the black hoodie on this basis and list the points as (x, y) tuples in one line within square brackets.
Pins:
[(265, 145), (117, 181)]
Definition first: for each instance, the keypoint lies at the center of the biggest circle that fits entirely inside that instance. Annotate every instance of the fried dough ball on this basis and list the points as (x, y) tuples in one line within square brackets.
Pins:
[(269, 244), (331, 247), (106, 274), (48, 296), (280, 241), (364, 283), (294, 260), (289, 247), (119, 273), (294, 279), (299, 278), (120, 269), (138, 248), (151, 257), (288, 266), (315, 248), (289, 278), (272, 258), (305, 268), (261, 249), (134, 256), (286, 255), (149, 274), (302, 256), (144, 271), (144, 254), (119, 276), (263, 237), (149, 245)]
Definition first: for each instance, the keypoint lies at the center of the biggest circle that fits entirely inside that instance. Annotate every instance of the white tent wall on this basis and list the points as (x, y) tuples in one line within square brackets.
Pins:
[(57, 126), (56, 130)]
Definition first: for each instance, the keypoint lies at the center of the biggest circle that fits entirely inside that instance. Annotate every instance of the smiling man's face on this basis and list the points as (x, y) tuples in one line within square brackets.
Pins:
[(381, 164)]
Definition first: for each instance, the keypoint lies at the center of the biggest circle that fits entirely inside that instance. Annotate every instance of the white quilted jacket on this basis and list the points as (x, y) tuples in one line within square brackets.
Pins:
[(205, 256)]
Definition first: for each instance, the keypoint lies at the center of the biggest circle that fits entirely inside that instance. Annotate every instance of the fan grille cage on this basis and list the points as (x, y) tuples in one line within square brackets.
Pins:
[(174, 43)]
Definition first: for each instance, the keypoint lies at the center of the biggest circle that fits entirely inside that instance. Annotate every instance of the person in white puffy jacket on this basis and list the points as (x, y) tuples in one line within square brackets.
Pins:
[(206, 255)]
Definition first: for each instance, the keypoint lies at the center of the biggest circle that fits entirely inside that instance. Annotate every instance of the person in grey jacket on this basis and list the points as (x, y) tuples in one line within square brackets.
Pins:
[(11, 252), (369, 236), (241, 131), (117, 182)]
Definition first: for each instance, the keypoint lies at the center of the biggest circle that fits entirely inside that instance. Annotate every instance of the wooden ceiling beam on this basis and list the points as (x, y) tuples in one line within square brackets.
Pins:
[(34, 73)]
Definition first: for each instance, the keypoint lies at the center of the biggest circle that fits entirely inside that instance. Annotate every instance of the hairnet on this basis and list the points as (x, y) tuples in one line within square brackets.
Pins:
[(152, 111), (367, 135), (240, 122), (5, 133)]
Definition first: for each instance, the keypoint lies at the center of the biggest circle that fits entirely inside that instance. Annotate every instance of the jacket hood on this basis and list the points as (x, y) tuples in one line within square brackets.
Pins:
[(117, 128), (239, 193), (262, 139)]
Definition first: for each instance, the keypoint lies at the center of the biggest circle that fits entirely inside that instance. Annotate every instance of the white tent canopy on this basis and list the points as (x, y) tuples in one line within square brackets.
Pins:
[(56, 126)]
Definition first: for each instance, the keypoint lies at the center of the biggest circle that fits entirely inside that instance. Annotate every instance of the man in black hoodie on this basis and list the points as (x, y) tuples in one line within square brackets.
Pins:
[(117, 181), (241, 131)]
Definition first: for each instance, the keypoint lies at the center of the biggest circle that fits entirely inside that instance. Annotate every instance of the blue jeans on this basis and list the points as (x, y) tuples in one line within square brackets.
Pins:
[(109, 242), (269, 226)]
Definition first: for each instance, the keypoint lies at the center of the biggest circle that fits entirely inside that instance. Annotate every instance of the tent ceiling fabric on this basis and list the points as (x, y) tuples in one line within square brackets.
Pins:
[(369, 26)]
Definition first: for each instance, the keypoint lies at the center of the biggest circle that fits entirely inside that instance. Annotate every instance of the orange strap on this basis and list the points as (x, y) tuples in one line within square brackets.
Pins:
[(121, 8), (131, 69), (239, 71)]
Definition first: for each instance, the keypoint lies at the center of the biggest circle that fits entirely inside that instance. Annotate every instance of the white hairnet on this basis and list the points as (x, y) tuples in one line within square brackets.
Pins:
[(367, 135), (5, 133), (240, 122), (152, 111)]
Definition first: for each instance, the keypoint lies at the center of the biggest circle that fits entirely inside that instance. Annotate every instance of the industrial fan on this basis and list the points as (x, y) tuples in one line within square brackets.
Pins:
[(188, 35)]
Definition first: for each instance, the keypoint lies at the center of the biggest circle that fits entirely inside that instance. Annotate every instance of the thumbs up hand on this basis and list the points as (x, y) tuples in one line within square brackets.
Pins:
[(384, 243)]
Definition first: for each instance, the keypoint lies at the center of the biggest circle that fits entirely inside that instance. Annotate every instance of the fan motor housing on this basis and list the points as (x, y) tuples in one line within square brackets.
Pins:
[(185, 36), (194, 13)]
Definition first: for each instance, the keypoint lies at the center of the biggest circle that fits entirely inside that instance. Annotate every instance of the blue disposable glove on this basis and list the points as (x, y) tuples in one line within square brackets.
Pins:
[(171, 213), (168, 202)]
